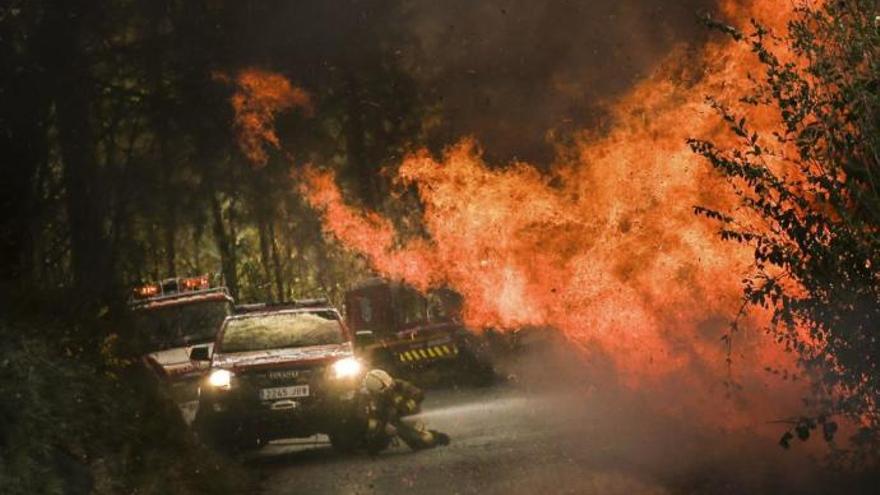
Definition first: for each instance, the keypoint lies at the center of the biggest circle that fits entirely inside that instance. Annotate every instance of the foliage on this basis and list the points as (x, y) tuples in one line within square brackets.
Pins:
[(809, 204), (142, 178), (120, 165), (75, 420)]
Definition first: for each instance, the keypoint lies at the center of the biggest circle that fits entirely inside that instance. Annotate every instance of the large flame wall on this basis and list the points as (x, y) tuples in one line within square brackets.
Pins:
[(605, 246)]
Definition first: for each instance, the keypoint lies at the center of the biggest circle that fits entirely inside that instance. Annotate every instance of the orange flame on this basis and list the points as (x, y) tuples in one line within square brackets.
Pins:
[(605, 247), (259, 97)]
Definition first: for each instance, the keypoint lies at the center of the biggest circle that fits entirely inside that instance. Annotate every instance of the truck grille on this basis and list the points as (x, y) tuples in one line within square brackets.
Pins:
[(253, 381)]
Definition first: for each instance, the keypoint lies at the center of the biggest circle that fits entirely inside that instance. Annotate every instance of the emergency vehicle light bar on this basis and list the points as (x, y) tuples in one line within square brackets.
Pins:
[(172, 286)]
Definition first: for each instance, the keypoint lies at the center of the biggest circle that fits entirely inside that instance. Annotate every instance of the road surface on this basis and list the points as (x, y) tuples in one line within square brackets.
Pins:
[(513, 439)]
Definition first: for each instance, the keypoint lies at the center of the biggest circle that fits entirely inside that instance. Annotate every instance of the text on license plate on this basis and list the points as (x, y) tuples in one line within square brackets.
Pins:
[(284, 392)]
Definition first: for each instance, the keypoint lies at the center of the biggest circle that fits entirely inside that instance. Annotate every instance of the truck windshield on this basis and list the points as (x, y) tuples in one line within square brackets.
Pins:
[(280, 330), (180, 325)]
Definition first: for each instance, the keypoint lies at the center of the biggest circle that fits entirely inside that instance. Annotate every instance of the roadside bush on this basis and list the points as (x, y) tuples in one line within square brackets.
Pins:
[(809, 207), (78, 420)]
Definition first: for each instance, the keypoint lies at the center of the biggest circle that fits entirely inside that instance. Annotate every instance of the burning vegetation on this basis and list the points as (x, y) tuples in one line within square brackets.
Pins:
[(259, 97), (604, 247)]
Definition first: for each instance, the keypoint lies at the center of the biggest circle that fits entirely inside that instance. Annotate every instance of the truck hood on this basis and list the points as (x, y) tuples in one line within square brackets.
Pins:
[(175, 362), (288, 356)]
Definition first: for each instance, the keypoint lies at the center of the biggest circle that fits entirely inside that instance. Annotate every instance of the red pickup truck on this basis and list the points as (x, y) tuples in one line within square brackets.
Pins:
[(279, 372)]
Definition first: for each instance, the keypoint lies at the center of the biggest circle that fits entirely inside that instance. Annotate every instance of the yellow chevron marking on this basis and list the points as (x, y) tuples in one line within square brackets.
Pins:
[(401, 357), (410, 356), (423, 353), (431, 352)]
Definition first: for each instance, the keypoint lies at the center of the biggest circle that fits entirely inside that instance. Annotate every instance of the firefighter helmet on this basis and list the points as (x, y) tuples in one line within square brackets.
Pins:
[(378, 381)]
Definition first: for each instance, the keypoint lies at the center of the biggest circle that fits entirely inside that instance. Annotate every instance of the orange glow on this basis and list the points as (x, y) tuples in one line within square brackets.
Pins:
[(196, 283), (146, 290), (260, 96), (605, 247)]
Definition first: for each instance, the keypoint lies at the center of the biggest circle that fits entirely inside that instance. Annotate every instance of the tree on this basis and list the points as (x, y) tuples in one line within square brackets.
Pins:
[(809, 205), (24, 120)]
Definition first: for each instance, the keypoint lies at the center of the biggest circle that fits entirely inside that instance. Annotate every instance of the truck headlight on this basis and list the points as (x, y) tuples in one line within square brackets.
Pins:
[(220, 379), (347, 368)]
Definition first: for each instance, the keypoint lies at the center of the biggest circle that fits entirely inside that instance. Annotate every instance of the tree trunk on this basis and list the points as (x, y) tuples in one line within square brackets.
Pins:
[(72, 92), (356, 147), (276, 262), (225, 244), (263, 227), (26, 111), (197, 247), (157, 12), (170, 241)]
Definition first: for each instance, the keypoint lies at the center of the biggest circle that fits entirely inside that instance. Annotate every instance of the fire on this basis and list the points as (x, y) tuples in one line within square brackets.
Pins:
[(605, 247), (259, 97)]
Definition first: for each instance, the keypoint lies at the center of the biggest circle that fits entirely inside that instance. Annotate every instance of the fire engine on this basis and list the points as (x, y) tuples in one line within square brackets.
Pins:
[(405, 332), (173, 316)]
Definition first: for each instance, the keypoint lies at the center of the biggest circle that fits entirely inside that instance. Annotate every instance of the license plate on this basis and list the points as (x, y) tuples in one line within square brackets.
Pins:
[(284, 392)]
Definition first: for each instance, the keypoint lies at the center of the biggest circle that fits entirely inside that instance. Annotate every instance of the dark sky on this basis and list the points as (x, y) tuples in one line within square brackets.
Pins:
[(505, 71)]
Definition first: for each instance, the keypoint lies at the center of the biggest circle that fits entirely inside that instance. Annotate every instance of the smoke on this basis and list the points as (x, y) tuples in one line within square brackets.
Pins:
[(518, 74), (613, 439)]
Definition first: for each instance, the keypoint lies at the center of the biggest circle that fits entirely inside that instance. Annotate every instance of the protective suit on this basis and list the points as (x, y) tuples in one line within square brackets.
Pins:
[(390, 401)]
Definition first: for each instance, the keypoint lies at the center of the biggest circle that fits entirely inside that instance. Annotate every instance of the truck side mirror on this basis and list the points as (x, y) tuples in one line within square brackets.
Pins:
[(200, 353), (364, 337)]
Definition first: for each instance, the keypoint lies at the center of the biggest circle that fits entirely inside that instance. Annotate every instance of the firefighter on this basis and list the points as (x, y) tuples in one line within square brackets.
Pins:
[(390, 401)]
